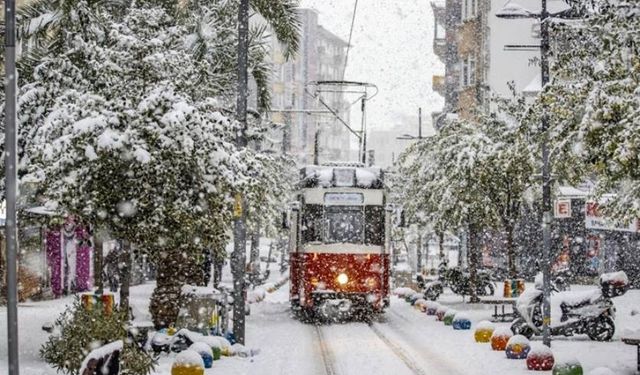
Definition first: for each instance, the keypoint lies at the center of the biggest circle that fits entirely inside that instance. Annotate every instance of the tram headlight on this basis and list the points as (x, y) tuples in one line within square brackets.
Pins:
[(342, 278)]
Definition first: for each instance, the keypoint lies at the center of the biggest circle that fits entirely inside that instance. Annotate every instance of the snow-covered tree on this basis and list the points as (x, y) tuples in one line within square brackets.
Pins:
[(594, 101), (472, 173), (129, 128)]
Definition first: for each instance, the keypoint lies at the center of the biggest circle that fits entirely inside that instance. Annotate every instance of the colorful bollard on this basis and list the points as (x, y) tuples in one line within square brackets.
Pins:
[(483, 332), (568, 367), (217, 353), (432, 307), (440, 313), (461, 322), (205, 352), (188, 362), (500, 338), (448, 317), (518, 347), (540, 358), (421, 304)]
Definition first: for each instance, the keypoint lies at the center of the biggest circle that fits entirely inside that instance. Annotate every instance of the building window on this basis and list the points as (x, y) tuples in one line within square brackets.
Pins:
[(469, 9), (468, 71)]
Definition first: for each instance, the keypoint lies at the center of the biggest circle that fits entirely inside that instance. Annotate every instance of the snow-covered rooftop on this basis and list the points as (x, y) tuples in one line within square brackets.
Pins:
[(332, 176)]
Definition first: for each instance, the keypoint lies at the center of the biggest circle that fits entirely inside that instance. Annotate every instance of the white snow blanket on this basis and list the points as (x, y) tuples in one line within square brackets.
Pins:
[(101, 352)]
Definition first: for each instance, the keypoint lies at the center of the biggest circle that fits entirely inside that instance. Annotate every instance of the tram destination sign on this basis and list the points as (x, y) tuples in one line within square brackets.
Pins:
[(343, 198)]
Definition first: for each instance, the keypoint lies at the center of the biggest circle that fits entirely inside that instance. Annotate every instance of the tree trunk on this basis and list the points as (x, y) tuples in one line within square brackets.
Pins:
[(474, 261), (98, 261), (441, 246), (2, 271), (125, 275), (511, 253), (254, 254), (165, 300)]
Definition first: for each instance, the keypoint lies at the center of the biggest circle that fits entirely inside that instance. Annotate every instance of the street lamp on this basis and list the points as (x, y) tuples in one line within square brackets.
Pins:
[(514, 11), (409, 137)]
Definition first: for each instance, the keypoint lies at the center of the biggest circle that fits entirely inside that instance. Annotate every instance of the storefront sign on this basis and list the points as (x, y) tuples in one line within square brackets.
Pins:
[(562, 209), (594, 220)]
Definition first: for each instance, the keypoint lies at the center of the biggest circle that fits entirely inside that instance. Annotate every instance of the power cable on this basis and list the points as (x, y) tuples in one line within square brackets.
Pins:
[(353, 21)]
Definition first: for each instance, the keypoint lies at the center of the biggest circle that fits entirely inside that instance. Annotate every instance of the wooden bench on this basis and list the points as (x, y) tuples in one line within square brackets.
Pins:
[(634, 341), (501, 303)]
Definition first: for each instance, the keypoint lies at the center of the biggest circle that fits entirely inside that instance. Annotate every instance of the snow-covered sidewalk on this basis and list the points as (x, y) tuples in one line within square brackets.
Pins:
[(403, 341)]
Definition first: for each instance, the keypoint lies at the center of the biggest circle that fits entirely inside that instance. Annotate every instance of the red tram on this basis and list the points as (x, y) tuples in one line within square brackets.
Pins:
[(338, 245)]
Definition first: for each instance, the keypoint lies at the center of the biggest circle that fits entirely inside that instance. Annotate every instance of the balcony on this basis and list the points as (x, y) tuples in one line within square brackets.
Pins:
[(438, 84), (440, 47)]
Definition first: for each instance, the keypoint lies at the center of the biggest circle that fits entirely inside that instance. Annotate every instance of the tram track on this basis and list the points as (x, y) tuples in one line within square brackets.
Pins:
[(327, 357), (396, 350)]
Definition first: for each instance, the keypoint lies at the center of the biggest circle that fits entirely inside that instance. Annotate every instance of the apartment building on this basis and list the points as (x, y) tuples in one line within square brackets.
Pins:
[(484, 55), (310, 127)]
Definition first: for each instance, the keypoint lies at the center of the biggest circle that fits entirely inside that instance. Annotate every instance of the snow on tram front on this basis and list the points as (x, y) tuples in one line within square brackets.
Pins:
[(339, 248)]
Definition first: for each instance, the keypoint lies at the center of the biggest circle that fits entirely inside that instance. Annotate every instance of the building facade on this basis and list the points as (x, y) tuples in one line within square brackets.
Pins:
[(309, 125), (484, 55)]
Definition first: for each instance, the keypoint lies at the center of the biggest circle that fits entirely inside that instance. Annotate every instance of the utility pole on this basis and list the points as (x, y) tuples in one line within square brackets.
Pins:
[(544, 17), (419, 254), (364, 131), (419, 122), (286, 131), (11, 183), (546, 182), (239, 226), (316, 146)]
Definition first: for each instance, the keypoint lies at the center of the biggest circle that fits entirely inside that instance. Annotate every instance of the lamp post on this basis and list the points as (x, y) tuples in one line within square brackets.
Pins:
[(239, 255), (11, 184), (409, 137), (514, 11)]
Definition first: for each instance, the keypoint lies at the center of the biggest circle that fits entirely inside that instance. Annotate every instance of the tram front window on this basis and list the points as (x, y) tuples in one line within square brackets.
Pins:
[(344, 224)]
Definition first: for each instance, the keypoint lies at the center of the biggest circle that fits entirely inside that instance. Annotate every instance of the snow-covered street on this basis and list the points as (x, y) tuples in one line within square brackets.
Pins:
[(321, 187), (402, 341)]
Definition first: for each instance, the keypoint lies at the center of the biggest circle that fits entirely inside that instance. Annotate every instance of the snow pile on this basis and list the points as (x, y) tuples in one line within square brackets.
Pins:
[(101, 352), (575, 298), (450, 313), (200, 291), (256, 295), (460, 317), (538, 349), (539, 281), (601, 371), (402, 267), (403, 292), (442, 310), (416, 296), (432, 305), (517, 340), (526, 299), (420, 302), (200, 348), (503, 332), (325, 176), (212, 341), (511, 9), (243, 352), (189, 358), (485, 324), (619, 277), (367, 177)]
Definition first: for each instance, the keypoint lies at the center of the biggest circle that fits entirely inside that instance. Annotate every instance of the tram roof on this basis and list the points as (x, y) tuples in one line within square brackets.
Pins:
[(341, 176)]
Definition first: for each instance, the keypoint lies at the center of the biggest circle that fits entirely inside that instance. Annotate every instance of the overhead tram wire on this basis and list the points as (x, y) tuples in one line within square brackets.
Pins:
[(353, 21)]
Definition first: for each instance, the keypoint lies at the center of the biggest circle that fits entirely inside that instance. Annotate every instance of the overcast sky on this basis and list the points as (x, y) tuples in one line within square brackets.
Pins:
[(391, 48)]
